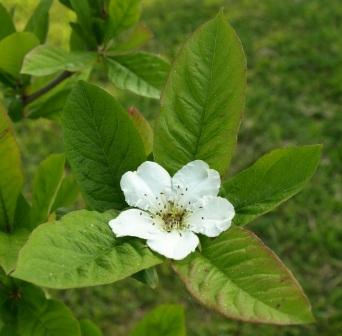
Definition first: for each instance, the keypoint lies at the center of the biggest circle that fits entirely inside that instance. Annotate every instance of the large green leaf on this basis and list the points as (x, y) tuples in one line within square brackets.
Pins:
[(271, 180), (101, 144), (6, 26), (80, 250), (88, 328), (13, 49), (39, 20), (10, 244), (140, 72), (45, 60), (203, 100), (11, 177), (238, 276), (123, 14), (46, 185), (165, 320)]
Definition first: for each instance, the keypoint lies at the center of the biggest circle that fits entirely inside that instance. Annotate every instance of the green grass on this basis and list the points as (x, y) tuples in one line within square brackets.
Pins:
[(294, 96)]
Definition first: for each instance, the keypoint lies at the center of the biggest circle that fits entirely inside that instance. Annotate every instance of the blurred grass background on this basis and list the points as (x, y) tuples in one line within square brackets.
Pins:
[(294, 52)]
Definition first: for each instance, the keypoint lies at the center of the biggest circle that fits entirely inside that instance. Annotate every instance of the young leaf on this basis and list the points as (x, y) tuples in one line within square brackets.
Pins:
[(203, 100), (13, 49), (10, 244), (11, 176), (136, 39), (271, 180), (88, 328), (141, 73), (101, 144), (80, 250), (123, 14), (238, 276), (7, 26), (39, 21), (166, 320), (148, 277), (46, 185), (143, 127), (45, 60)]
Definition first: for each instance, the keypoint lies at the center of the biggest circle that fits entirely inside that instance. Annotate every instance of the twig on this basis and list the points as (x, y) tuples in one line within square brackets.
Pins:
[(35, 95)]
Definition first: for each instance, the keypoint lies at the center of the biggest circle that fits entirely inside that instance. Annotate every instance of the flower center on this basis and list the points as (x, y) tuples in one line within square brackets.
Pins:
[(173, 221)]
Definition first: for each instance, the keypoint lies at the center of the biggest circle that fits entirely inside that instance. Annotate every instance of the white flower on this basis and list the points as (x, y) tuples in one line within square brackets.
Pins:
[(171, 210)]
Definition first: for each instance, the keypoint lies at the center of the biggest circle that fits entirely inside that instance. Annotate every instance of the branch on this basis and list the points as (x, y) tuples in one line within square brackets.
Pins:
[(35, 95)]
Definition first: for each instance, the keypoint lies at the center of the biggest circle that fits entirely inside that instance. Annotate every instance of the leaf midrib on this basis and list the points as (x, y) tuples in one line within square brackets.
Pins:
[(205, 106)]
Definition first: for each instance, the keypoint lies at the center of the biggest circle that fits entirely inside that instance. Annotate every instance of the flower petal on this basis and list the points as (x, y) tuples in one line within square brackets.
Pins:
[(194, 181), (213, 216), (134, 222), (174, 245), (143, 188)]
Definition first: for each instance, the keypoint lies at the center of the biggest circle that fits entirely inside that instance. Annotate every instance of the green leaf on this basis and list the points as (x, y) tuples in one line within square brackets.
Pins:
[(67, 193), (203, 100), (80, 250), (143, 127), (123, 14), (11, 176), (13, 49), (7, 26), (10, 244), (39, 20), (45, 60), (238, 276), (136, 39), (88, 328), (38, 316), (166, 320), (101, 144), (46, 185), (140, 72), (271, 180)]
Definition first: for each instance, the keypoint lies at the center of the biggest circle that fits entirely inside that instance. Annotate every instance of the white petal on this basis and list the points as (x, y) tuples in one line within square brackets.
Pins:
[(194, 181), (142, 187), (134, 222), (174, 245), (213, 218)]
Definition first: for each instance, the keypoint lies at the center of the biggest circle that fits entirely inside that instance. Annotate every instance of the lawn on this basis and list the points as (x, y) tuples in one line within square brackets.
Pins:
[(294, 96)]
